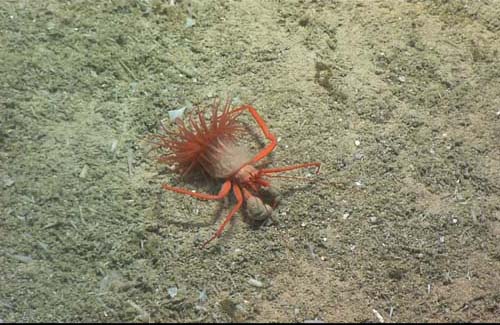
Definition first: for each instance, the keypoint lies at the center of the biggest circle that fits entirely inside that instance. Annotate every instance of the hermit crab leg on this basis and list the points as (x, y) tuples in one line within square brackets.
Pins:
[(239, 198), (292, 167), (224, 191), (265, 129)]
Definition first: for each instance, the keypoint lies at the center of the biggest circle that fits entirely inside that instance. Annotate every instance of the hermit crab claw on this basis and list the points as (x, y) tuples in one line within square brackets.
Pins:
[(257, 209)]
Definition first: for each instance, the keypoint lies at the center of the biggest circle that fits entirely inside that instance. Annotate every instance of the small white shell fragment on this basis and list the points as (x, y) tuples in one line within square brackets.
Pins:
[(22, 258), (377, 314), (172, 292), (357, 143), (114, 145), (255, 283), (173, 114), (84, 171), (190, 22), (8, 181), (313, 321), (202, 297), (236, 101)]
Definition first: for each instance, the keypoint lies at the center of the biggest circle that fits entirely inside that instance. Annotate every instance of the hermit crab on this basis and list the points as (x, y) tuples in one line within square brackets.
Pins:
[(211, 145)]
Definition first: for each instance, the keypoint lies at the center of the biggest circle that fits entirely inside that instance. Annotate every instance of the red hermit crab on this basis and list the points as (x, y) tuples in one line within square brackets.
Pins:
[(211, 146)]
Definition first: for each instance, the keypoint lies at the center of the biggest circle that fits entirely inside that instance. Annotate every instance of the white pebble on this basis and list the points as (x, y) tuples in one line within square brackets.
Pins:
[(255, 283)]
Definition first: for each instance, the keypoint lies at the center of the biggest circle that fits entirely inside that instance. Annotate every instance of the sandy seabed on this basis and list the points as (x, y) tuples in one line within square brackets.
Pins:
[(400, 101)]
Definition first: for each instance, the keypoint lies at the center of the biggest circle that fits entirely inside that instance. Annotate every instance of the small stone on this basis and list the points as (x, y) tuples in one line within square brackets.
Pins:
[(373, 219), (7, 181), (357, 143), (495, 228), (345, 216), (358, 156), (255, 283), (22, 258)]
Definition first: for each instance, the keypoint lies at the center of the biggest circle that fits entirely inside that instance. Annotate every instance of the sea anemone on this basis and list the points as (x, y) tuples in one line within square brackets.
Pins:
[(203, 145)]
